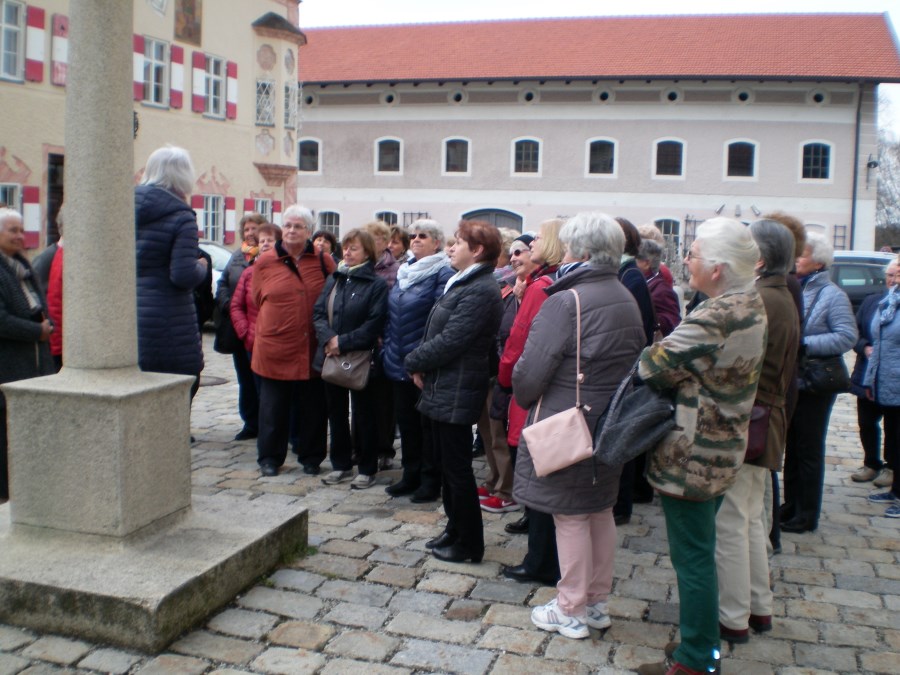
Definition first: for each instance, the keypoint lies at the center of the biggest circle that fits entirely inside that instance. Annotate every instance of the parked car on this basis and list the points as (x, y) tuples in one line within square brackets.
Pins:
[(220, 257), (860, 273)]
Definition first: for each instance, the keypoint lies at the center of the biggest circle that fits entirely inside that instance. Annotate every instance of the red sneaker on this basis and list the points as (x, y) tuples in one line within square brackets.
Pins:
[(483, 493), (497, 505)]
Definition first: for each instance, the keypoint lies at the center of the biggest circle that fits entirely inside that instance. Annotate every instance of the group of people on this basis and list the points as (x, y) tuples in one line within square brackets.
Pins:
[(497, 330)]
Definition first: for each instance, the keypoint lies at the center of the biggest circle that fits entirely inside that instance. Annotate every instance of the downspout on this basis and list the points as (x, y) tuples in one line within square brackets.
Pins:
[(855, 169)]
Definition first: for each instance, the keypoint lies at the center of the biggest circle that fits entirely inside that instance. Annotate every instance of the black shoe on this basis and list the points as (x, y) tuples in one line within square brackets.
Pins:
[(421, 496), (311, 469), (785, 513), (443, 539), (245, 434), (401, 487), (798, 525), (519, 526), (268, 469), (621, 519), (523, 576), (457, 553)]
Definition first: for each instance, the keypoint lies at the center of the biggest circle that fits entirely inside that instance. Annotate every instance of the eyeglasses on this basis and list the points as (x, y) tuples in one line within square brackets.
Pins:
[(692, 256), (517, 252), (419, 235)]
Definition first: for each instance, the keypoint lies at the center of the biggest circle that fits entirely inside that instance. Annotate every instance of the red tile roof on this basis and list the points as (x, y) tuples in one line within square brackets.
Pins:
[(767, 46)]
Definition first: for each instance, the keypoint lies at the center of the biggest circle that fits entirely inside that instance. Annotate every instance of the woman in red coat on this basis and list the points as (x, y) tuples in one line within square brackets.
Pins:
[(243, 308)]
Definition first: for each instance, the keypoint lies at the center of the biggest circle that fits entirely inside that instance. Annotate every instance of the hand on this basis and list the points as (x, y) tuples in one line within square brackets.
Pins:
[(331, 347), (867, 350), (418, 380), (519, 289), (869, 394), (46, 329), (204, 262)]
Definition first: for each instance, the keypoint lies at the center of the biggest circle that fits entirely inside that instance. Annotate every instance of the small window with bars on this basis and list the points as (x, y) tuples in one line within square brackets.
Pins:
[(602, 158), (741, 160), (264, 208), (389, 156), (156, 71), (527, 157), (10, 196), (213, 217), (265, 103), (290, 105), (816, 161), (388, 217), (309, 156), (330, 221), (456, 156), (215, 86), (669, 158), (840, 238), (12, 40)]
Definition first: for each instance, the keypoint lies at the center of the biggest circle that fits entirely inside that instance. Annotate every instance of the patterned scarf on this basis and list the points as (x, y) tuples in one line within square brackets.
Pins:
[(250, 251), (416, 271), (889, 306), (24, 276)]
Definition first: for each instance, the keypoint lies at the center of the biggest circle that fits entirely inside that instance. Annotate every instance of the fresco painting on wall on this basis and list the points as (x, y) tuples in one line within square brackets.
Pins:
[(188, 20)]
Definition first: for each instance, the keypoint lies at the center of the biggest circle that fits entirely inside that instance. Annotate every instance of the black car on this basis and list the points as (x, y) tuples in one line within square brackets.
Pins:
[(860, 273)]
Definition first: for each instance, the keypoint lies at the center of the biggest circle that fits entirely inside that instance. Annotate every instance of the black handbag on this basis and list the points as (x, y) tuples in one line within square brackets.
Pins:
[(822, 374), (637, 418), (226, 340)]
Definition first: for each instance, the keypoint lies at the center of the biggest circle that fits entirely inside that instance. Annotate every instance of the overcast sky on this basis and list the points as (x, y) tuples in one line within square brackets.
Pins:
[(317, 13)]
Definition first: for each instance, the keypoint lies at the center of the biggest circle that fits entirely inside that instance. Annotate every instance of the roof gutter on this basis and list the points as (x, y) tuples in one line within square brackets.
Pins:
[(856, 142)]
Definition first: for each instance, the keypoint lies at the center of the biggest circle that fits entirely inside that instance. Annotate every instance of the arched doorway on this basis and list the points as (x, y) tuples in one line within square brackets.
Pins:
[(497, 217)]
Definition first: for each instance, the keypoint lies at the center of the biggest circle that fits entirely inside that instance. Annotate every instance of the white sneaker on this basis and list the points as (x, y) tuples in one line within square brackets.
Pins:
[(550, 617), (885, 479), (362, 481), (336, 477), (598, 616)]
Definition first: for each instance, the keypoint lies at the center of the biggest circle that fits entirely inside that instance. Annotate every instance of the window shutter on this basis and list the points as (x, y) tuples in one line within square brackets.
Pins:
[(229, 220), (176, 89), (31, 215), (248, 205), (198, 89), (197, 205), (34, 44), (138, 68), (276, 213), (59, 50), (231, 90)]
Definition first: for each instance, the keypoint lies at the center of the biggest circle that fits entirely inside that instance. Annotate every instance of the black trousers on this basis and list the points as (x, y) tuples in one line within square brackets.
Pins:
[(868, 415), (892, 443), (248, 399), (278, 399), (419, 466), (804, 457), (452, 445), (542, 559), (364, 403)]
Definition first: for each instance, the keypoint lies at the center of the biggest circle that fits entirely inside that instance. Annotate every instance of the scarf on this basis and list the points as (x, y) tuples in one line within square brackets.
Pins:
[(459, 276), (343, 268), (889, 306), (417, 271), (249, 251), (568, 267), (24, 276)]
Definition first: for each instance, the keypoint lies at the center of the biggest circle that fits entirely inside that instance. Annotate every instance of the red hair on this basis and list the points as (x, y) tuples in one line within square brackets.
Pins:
[(480, 233)]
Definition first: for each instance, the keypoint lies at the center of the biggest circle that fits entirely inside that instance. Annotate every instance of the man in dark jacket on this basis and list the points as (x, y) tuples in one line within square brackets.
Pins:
[(24, 327)]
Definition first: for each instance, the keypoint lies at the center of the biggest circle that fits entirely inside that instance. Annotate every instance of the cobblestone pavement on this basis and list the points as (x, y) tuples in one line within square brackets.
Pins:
[(371, 599)]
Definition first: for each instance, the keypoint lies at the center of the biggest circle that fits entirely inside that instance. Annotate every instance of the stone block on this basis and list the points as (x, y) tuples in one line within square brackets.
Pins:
[(13, 638), (203, 644), (112, 661), (827, 658), (10, 664), (417, 601), (283, 603), (56, 650), (457, 585), (360, 616), (351, 549), (281, 661), (512, 640), (465, 610), (363, 645), (591, 652), (509, 664), (374, 595), (440, 657), (881, 662), (842, 597), (297, 580), (397, 556), (433, 628), (508, 615), (348, 667), (302, 634), (241, 623), (334, 566), (173, 664), (506, 591), (391, 575)]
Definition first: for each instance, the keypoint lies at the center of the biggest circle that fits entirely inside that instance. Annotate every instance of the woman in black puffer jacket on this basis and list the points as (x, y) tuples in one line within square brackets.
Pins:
[(359, 307), (452, 367)]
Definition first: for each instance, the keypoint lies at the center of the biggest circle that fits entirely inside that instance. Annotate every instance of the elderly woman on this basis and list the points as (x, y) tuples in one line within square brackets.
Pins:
[(742, 562), (712, 361), (349, 316), (828, 329), (25, 329), (399, 245), (420, 283), (248, 399), (579, 498), (286, 283), (882, 384), (168, 267), (242, 307), (662, 295), (326, 243), (451, 366)]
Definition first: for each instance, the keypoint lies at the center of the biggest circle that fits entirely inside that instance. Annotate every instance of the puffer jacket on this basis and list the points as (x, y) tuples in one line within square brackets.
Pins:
[(229, 279), (883, 372), (168, 270), (455, 353), (243, 309), (864, 326), (829, 327), (22, 354), (286, 292), (712, 360), (612, 335), (408, 311), (359, 311), (633, 279)]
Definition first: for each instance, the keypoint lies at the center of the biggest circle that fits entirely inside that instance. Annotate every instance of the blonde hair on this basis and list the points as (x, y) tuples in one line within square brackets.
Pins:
[(379, 228), (552, 249)]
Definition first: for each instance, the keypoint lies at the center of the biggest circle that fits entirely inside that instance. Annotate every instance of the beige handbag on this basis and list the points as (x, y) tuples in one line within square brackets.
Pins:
[(562, 439)]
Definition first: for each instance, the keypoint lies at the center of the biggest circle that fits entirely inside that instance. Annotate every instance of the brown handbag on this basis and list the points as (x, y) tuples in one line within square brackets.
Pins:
[(350, 369), (562, 439)]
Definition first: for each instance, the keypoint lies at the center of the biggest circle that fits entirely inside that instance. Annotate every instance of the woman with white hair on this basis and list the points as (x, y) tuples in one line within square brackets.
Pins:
[(579, 497), (712, 361), (169, 266), (828, 329)]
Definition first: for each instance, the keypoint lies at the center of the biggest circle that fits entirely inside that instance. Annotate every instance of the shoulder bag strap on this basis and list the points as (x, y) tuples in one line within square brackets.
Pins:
[(579, 376), (331, 304), (809, 313)]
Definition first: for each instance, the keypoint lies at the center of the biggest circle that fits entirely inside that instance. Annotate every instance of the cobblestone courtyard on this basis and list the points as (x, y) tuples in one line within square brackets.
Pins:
[(370, 599)]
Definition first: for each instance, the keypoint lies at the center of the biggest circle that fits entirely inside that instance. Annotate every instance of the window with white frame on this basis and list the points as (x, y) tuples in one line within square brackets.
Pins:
[(10, 194), (265, 103), (215, 86), (669, 158), (330, 221), (264, 208), (309, 156), (527, 156), (816, 161), (213, 217), (456, 156), (741, 160), (388, 155), (156, 71), (601, 157), (290, 105), (388, 217), (671, 231), (12, 40)]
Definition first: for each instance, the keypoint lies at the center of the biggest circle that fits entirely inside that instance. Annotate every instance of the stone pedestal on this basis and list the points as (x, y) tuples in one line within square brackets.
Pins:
[(102, 452)]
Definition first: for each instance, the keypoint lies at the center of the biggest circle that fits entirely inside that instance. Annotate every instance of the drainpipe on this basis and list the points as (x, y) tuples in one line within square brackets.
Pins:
[(859, 99)]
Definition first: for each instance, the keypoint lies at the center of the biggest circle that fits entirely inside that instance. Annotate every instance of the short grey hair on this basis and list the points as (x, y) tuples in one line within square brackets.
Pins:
[(776, 245), (170, 168), (595, 235), (727, 242), (301, 212), (429, 227), (820, 249), (7, 213), (651, 251)]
